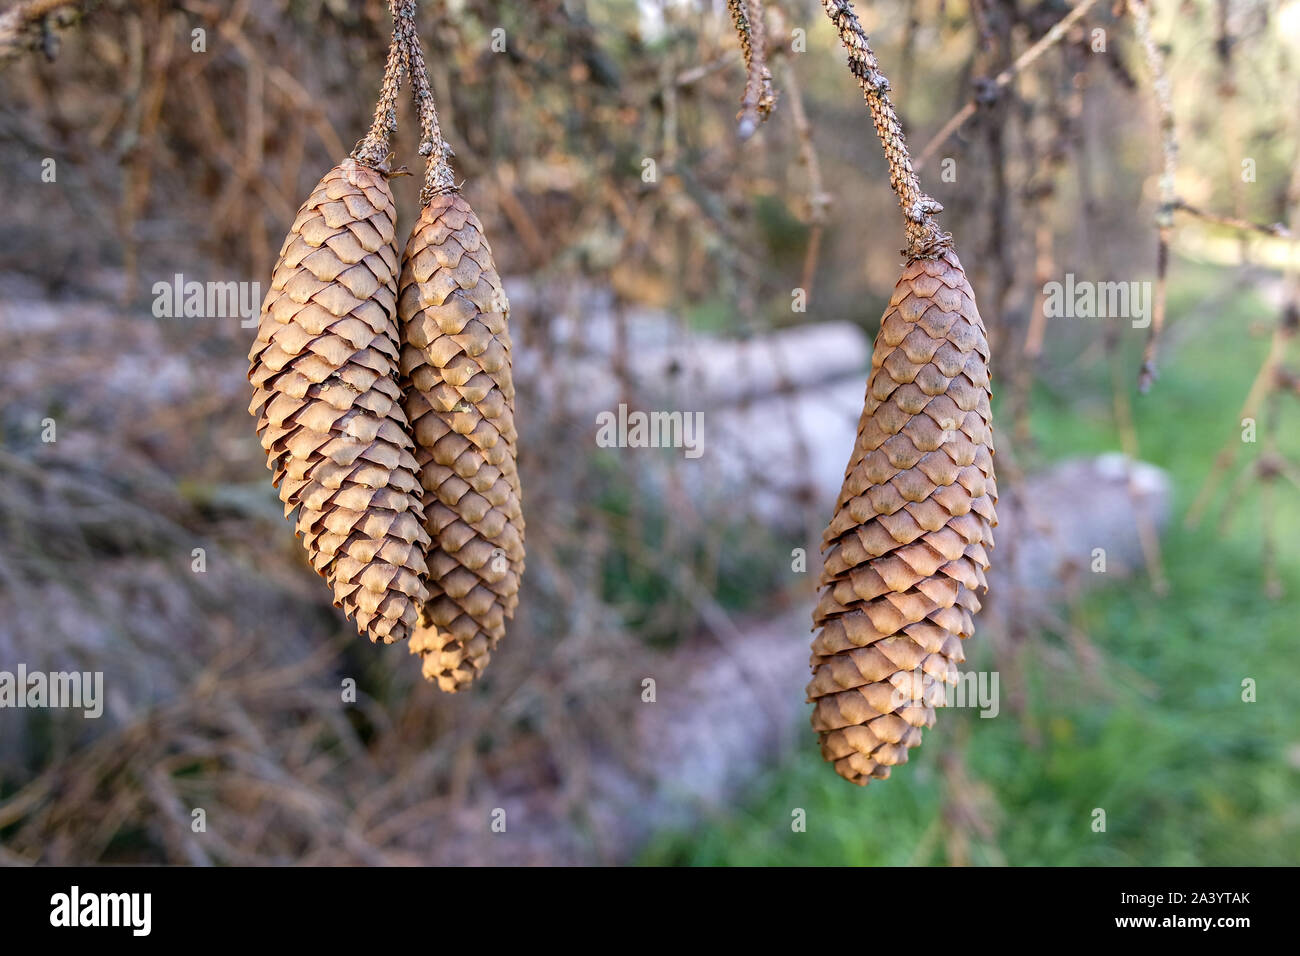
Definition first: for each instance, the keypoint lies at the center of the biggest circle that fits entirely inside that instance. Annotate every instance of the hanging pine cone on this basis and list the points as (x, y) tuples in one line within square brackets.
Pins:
[(459, 398), (325, 393), (324, 374), (906, 549)]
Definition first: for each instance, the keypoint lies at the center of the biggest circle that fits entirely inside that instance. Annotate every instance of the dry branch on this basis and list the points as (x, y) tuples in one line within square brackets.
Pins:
[(1004, 79), (1168, 198), (924, 237), (759, 99)]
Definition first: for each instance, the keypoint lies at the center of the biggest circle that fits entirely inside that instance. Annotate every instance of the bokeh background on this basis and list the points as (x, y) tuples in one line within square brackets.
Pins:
[(656, 259)]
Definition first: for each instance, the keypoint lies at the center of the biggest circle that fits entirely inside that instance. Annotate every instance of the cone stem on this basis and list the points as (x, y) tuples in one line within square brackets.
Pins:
[(438, 177), (925, 240), (373, 149)]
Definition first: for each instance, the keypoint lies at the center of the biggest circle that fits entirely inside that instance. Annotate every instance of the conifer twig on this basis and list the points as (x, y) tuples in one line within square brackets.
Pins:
[(1168, 198), (438, 176), (1276, 229), (759, 99), (373, 149), (925, 240)]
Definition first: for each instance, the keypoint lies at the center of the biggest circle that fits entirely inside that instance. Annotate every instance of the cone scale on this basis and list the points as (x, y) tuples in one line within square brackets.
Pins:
[(459, 397), (907, 548), (327, 402)]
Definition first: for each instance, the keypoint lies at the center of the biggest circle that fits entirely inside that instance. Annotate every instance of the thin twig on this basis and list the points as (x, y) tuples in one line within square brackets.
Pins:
[(1276, 229), (925, 240), (438, 177), (818, 199), (1004, 79), (1264, 381), (759, 99), (1148, 534), (373, 149), (1168, 198)]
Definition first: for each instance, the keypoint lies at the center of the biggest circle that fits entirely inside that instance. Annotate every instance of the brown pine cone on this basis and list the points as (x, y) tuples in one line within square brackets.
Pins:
[(459, 398), (327, 401), (907, 547)]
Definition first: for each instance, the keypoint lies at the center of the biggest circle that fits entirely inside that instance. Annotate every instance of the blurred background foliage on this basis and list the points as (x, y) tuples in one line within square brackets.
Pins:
[(224, 686)]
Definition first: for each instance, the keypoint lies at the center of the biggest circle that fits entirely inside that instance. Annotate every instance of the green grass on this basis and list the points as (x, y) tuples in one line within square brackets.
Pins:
[(1186, 772)]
